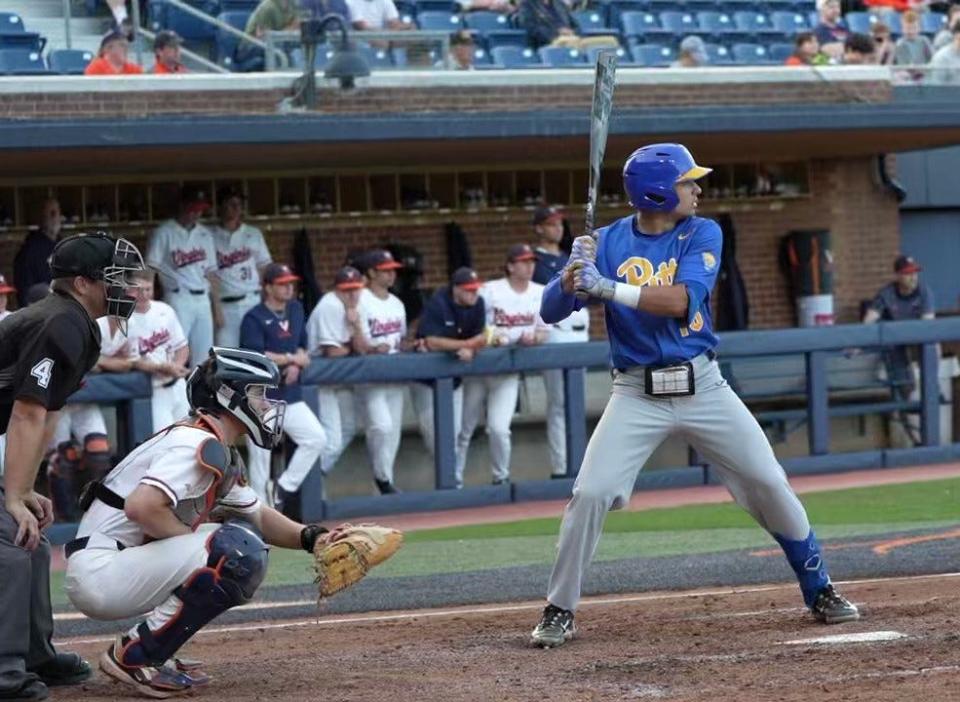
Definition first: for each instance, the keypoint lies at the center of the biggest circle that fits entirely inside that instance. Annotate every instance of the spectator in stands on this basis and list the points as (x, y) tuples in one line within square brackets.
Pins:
[(335, 330), (269, 16), (946, 62), (183, 252), (453, 320), (550, 23), (461, 50), (31, 264), (242, 256), (512, 306), (277, 328), (376, 15), (883, 40), (488, 5), (166, 53), (112, 58), (945, 35), (832, 31), (806, 51), (5, 290), (913, 49), (321, 8), (693, 53), (858, 50)]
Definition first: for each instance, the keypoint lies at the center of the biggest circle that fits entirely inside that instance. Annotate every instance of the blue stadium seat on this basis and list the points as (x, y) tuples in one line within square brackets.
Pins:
[(653, 55), (247, 6), (439, 21), (615, 8), (789, 23), (594, 51), (225, 41), (165, 16), (483, 21), (13, 34), (717, 24), (514, 57), (482, 57), (754, 24), (557, 56), (859, 21), (437, 6), (750, 54), (893, 20), (641, 24), (16, 62), (772, 6), (69, 62), (719, 55), (932, 22), (679, 24), (658, 6), (592, 22), (376, 57), (779, 51), (11, 23), (507, 37), (320, 61)]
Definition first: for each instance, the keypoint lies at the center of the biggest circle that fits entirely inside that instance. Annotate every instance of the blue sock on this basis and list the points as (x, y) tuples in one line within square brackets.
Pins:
[(807, 562)]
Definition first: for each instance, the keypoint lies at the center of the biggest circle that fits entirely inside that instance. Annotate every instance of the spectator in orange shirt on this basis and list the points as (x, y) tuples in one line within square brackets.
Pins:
[(166, 52), (806, 51), (112, 58)]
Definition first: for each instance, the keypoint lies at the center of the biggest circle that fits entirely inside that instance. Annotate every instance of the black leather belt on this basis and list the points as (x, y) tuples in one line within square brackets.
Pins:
[(191, 291), (170, 384), (79, 544), (233, 298)]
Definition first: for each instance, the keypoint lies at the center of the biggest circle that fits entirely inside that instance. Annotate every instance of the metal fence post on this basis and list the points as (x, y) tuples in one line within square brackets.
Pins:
[(930, 395), (67, 12), (818, 403), (444, 453)]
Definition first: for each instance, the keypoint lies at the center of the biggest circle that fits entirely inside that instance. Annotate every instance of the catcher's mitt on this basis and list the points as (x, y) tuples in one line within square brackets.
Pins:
[(345, 555)]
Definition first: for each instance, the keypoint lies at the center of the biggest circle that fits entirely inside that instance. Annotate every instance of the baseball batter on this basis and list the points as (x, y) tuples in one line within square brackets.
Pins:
[(242, 254), (162, 352), (183, 252), (175, 534), (384, 328), (512, 306), (654, 272)]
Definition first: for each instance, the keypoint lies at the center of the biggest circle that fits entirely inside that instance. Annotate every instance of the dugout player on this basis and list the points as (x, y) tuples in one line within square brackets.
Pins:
[(277, 328), (453, 320), (45, 350), (654, 272)]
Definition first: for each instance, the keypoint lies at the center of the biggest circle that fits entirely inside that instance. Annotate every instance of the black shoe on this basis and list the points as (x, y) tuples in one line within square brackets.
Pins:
[(831, 607), (558, 476), (65, 669), (24, 687), (501, 481), (556, 627), (386, 487)]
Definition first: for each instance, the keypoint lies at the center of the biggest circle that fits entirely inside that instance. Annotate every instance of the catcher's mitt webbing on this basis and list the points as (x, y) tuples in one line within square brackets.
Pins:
[(349, 554)]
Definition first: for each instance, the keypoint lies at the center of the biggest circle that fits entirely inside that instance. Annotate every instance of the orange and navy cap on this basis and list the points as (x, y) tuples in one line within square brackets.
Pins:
[(520, 252), (348, 278), (5, 287), (545, 213), (466, 278), (905, 265), (278, 274), (381, 260)]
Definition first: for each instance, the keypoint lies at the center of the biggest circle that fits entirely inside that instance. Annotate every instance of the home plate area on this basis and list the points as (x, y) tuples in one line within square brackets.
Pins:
[(745, 644)]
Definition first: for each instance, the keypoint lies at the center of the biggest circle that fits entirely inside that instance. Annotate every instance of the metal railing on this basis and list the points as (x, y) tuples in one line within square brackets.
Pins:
[(275, 39)]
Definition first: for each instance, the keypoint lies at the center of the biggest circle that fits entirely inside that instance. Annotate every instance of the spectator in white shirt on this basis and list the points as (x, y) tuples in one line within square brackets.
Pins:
[(375, 15)]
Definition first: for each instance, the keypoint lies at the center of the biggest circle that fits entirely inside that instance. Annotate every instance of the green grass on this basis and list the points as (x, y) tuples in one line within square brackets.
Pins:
[(687, 530)]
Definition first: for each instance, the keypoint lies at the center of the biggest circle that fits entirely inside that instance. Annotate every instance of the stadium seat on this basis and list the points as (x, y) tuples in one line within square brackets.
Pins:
[(324, 54), (778, 6), (16, 62), (719, 55), (859, 21), (717, 24), (644, 25), (932, 22), (439, 21), (594, 51), (437, 6), (69, 62), (483, 21), (789, 23), (376, 57), (658, 6), (507, 37), (653, 55), (750, 54), (165, 16), (779, 51), (14, 35), (247, 6), (592, 22), (892, 20), (481, 57), (615, 8), (225, 41), (557, 56), (814, 18), (514, 57), (755, 24), (11, 23), (680, 24)]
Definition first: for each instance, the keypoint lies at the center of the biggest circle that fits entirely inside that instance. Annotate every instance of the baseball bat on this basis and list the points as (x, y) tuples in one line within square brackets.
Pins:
[(603, 84)]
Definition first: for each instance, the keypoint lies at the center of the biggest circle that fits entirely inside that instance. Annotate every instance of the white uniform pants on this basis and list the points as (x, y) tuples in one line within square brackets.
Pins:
[(3, 450), (196, 318), (108, 584), (338, 417), (500, 393), (421, 395), (303, 427), (714, 420), (169, 404), (383, 414), (228, 335), (78, 420), (556, 423)]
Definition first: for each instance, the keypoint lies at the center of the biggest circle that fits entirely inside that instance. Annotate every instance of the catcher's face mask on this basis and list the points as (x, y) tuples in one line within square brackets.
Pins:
[(262, 416), (119, 281)]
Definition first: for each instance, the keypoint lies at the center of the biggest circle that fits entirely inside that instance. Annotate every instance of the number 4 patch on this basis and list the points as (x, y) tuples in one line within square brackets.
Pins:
[(42, 372)]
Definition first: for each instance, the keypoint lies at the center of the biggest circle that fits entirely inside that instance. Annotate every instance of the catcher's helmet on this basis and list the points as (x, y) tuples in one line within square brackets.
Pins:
[(99, 256), (237, 381), (651, 172)]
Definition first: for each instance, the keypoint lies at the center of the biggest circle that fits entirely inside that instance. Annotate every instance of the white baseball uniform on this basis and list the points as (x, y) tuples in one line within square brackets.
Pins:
[(575, 328), (158, 336), (240, 255), (510, 315), (105, 582), (327, 326), (183, 259), (384, 322)]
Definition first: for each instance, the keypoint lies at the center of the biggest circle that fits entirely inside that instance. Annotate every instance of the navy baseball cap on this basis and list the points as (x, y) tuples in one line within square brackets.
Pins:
[(83, 254), (544, 213), (278, 274), (348, 278), (906, 264), (520, 252), (466, 278), (381, 260)]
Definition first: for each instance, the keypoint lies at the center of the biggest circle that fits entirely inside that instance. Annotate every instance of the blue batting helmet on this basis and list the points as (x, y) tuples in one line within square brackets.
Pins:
[(651, 172)]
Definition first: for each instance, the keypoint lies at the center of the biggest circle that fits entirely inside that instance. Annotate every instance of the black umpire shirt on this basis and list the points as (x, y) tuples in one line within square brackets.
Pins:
[(45, 350)]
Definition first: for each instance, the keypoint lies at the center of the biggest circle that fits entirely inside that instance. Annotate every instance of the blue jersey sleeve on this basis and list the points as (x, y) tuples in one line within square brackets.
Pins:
[(556, 305), (251, 333), (699, 265)]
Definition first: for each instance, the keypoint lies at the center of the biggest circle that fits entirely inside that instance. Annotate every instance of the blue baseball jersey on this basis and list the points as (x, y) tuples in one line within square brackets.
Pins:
[(689, 254), (548, 265), (262, 329)]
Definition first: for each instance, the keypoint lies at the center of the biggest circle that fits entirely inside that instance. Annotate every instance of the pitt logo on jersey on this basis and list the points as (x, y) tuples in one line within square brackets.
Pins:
[(639, 271)]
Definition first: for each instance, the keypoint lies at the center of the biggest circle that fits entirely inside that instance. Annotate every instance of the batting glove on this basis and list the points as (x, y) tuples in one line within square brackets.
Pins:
[(588, 283), (584, 249)]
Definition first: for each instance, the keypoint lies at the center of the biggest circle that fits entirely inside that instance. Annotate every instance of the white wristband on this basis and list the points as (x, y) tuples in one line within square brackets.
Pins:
[(627, 295)]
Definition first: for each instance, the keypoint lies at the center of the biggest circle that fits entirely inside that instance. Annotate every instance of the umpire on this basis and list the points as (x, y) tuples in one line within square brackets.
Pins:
[(45, 350)]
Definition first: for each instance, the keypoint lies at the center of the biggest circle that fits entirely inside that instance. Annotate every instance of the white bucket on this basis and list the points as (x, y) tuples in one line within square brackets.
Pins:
[(815, 310)]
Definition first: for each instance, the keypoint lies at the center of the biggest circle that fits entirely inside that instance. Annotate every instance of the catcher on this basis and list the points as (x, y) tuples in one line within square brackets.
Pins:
[(175, 534)]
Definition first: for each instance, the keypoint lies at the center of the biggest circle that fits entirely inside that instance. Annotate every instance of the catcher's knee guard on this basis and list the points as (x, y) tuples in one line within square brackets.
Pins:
[(235, 568)]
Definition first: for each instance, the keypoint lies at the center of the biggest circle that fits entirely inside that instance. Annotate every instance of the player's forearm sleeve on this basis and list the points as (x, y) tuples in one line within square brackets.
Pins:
[(696, 294), (556, 305)]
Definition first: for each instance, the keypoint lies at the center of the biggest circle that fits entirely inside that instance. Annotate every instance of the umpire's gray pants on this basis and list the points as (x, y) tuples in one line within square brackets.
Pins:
[(26, 620), (714, 420)]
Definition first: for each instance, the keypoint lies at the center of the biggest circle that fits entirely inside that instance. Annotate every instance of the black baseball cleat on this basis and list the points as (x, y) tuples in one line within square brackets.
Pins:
[(831, 607), (555, 628), (386, 487), (63, 669)]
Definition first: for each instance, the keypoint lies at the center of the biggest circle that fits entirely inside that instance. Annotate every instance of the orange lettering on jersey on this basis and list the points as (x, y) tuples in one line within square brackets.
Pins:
[(640, 271)]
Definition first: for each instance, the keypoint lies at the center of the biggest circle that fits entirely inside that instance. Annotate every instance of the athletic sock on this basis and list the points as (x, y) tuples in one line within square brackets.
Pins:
[(807, 562)]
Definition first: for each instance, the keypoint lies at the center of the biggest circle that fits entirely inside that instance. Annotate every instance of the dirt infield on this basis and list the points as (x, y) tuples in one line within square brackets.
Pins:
[(746, 644)]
